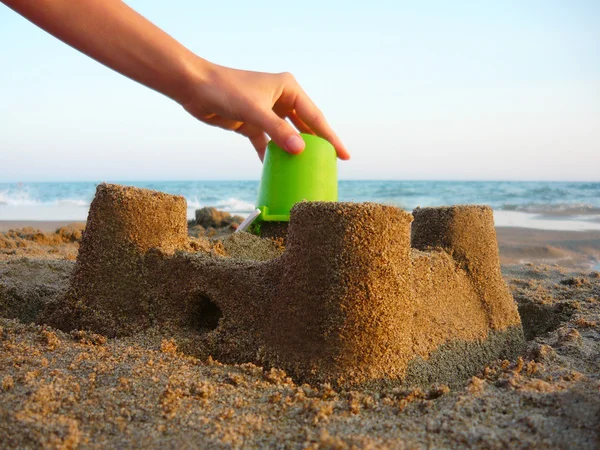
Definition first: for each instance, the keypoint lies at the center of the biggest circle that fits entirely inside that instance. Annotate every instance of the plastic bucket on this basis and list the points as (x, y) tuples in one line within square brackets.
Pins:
[(288, 179)]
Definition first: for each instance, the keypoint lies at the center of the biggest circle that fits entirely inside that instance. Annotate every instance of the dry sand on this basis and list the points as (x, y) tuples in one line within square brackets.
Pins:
[(45, 226), (574, 249), (82, 390), (62, 242), (350, 301)]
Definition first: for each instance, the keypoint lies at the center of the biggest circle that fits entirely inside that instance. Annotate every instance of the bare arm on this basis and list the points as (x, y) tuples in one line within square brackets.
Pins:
[(254, 104)]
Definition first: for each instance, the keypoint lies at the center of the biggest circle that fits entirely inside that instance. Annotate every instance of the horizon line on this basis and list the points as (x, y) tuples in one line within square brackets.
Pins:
[(224, 180)]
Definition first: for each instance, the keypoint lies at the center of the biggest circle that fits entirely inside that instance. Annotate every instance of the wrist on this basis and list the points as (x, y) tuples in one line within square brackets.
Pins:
[(195, 72)]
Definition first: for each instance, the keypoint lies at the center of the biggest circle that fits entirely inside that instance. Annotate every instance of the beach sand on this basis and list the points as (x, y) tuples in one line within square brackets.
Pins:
[(46, 226), (574, 249), (83, 390)]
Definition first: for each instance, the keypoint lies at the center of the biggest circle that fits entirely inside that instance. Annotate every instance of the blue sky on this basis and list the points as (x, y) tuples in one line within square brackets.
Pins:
[(417, 90)]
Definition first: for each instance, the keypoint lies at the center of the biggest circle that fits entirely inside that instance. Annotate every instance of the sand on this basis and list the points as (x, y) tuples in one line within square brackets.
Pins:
[(350, 301), (62, 243), (573, 249), (82, 389), (576, 249), (45, 226)]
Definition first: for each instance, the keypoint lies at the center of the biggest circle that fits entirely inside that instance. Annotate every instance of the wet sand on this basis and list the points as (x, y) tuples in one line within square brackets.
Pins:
[(576, 249), (82, 390)]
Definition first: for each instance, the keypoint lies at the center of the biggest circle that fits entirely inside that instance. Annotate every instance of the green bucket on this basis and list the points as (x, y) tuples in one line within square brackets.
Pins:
[(288, 179)]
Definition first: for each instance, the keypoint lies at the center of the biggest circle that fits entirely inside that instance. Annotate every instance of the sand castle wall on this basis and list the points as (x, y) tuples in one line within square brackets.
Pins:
[(361, 293)]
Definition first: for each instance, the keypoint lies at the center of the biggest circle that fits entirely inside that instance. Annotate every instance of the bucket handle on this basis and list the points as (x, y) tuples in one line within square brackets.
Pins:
[(248, 220)]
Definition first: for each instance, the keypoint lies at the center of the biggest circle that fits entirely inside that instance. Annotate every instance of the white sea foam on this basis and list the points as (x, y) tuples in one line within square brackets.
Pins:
[(231, 205), (558, 208), (23, 198), (18, 198), (193, 203), (527, 220), (72, 202), (235, 205)]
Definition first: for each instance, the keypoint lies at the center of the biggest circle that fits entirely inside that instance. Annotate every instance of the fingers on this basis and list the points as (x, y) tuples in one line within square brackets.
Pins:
[(256, 117), (283, 108), (260, 142), (311, 116), (257, 137), (221, 122), (298, 123), (280, 131)]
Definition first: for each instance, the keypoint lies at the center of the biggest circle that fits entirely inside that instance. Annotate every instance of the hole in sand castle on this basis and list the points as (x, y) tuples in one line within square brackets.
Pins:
[(209, 314), (538, 319)]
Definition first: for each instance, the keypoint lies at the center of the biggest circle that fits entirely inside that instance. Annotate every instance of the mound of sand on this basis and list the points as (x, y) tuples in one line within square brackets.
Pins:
[(28, 241), (83, 390), (353, 299), (158, 384)]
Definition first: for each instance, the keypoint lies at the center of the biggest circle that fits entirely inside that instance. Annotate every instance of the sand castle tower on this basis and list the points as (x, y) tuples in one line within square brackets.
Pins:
[(362, 293)]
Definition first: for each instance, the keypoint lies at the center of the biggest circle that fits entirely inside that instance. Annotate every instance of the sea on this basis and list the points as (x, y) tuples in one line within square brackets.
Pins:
[(531, 204)]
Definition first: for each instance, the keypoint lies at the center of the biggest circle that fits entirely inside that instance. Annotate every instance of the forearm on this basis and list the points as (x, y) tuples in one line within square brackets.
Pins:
[(115, 35), (253, 104)]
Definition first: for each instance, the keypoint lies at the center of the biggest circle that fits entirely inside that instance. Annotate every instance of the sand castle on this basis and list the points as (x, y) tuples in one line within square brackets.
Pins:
[(358, 296)]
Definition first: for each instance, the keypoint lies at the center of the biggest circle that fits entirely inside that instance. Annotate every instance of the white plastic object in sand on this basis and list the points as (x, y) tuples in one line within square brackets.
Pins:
[(248, 220)]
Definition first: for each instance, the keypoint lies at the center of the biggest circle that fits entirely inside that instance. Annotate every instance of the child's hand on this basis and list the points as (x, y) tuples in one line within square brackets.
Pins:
[(256, 104), (251, 103)]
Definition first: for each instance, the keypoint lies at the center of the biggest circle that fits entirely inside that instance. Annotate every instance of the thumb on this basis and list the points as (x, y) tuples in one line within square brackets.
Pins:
[(282, 133)]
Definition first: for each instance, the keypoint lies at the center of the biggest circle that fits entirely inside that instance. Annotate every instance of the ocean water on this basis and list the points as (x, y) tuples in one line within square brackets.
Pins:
[(546, 205)]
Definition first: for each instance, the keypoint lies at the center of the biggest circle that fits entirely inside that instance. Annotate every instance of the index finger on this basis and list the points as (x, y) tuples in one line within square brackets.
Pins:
[(311, 115)]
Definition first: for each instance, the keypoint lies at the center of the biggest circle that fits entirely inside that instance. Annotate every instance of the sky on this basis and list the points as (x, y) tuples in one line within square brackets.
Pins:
[(462, 90)]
